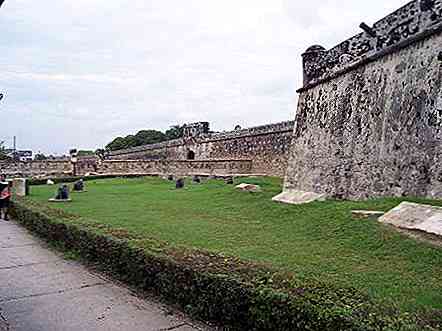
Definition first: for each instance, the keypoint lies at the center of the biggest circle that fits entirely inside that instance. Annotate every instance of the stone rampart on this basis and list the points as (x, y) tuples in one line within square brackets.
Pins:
[(53, 169), (36, 168), (175, 167), (374, 129), (209, 167), (267, 146)]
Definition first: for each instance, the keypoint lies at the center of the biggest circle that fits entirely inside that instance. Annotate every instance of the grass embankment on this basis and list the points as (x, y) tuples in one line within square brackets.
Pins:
[(318, 241)]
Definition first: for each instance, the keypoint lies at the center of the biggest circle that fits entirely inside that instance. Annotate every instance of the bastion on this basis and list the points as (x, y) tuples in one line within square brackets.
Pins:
[(369, 118)]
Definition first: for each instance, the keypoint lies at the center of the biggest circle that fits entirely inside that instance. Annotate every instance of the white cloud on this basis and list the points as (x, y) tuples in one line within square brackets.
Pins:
[(87, 70)]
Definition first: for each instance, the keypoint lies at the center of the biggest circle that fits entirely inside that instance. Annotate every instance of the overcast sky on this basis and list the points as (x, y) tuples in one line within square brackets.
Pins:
[(78, 73)]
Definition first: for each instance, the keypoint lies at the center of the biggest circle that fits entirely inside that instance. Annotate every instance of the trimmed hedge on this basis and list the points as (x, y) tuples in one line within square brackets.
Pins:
[(248, 297)]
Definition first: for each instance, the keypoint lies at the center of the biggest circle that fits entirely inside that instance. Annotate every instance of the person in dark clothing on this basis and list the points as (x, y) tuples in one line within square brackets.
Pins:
[(5, 197)]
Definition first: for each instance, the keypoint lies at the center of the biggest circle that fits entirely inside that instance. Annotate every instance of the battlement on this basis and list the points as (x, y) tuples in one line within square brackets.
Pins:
[(410, 23)]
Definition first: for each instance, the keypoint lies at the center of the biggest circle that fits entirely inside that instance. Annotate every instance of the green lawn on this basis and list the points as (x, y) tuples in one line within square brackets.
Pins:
[(319, 240)]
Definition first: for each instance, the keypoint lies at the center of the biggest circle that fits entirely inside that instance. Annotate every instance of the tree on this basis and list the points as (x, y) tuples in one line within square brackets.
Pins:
[(40, 157), (3, 152), (175, 132), (85, 153), (116, 144), (130, 141), (147, 137)]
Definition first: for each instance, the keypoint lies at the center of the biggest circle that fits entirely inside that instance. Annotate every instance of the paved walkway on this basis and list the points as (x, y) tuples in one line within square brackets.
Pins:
[(39, 291)]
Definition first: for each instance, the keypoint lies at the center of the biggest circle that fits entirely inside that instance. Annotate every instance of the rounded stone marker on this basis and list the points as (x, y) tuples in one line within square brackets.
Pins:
[(229, 180), (179, 184), (19, 187)]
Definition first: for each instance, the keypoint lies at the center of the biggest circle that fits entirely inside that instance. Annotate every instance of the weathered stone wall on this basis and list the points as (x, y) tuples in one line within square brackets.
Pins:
[(209, 167), (51, 169), (175, 167), (267, 146), (374, 128), (174, 149), (128, 167), (36, 168)]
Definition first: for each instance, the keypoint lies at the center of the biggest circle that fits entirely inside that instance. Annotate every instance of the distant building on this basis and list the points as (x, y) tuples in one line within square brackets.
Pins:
[(20, 155), (24, 155)]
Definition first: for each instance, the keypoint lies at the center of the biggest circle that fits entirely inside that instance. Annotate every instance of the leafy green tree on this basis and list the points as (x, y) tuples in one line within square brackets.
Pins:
[(40, 157), (116, 144), (130, 141), (175, 132), (146, 137), (3, 153), (85, 153)]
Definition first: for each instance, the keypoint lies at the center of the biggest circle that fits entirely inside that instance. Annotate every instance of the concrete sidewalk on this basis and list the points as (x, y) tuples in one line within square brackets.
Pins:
[(39, 291)]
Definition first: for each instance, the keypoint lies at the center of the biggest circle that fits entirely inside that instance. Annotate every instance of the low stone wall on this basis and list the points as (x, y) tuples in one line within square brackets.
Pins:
[(36, 168), (175, 167), (54, 169), (210, 167)]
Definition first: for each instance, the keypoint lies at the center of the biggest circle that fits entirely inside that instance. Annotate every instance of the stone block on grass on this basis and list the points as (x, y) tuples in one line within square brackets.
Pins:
[(249, 188), (60, 200), (295, 197), (414, 216)]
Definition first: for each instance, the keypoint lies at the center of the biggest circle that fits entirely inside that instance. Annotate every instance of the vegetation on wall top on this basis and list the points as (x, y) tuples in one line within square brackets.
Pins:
[(145, 137)]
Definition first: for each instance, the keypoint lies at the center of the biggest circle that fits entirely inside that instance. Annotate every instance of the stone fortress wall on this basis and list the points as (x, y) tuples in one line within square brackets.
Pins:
[(261, 150), (369, 118), (36, 168), (176, 167), (45, 169), (265, 147)]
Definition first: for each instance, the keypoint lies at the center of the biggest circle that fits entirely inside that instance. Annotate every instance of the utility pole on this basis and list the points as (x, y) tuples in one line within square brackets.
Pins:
[(14, 146)]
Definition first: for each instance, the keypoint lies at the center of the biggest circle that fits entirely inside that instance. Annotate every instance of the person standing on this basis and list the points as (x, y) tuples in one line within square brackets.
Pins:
[(5, 197)]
